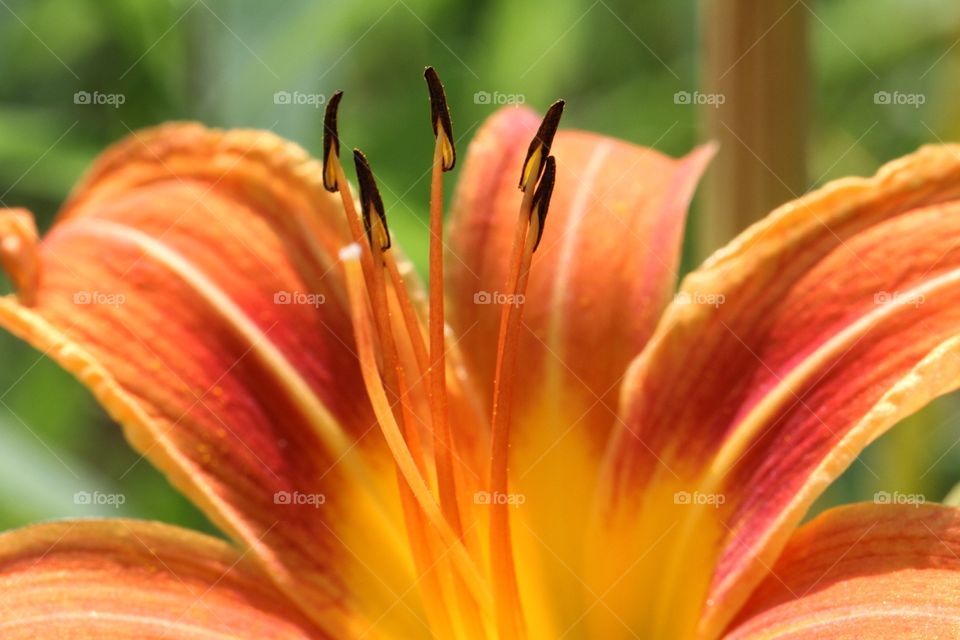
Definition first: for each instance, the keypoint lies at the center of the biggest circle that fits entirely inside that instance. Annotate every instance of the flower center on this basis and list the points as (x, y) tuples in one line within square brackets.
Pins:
[(462, 599)]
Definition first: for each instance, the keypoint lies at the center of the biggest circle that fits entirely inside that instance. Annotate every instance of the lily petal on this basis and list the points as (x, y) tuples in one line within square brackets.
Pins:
[(191, 283), (782, 358), (863, 571), (605, 267), (131, 579)]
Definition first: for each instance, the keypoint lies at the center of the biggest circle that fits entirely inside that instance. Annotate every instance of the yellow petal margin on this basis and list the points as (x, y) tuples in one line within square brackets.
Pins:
[(780, 359), (191, 282)]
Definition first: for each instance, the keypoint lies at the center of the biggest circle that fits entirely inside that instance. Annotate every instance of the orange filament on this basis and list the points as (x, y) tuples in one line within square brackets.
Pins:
[(376, 286), (423, 558), (422, 539), (540, 166), (394, 374), (421, 547), (439, 406), (509, 613), (434, 520), (466, 568), (410, 318), (422, 542), (465, 397), (443, 444), (353, 222), (416, 334)]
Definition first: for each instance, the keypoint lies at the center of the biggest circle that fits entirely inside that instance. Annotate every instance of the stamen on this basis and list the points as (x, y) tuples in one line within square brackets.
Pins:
[(472, 410), (18, 252), (465, 395), (410, 318), (510, 618), (439, 407), (467, 570), (539, 147), (440, 118), (541, 198), (331, 143), (370, 201), (375, 286), (423, 540), (333, 177), (373, 277), (422, 547), (396, 379)]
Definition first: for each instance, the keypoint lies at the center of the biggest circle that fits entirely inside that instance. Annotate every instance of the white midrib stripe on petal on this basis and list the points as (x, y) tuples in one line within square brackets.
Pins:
[(570, 236), (323, 423)]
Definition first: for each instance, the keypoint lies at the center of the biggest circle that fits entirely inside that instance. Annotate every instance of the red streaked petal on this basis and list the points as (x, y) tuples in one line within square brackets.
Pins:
[(606, 265), (131, 579), (604, 270), (862, 571), (787, 353), (191, 283)]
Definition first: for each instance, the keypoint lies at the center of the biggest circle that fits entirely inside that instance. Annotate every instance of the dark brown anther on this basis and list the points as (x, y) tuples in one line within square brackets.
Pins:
[(541, 197), (539, 148), (370, 200), (440, 117), (331, 143)]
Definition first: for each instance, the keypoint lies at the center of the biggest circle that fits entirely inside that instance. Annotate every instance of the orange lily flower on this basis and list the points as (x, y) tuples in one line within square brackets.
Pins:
[(570, 449)]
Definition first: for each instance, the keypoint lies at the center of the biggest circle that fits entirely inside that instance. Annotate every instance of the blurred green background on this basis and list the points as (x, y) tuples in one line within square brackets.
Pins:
[(617, 62)]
